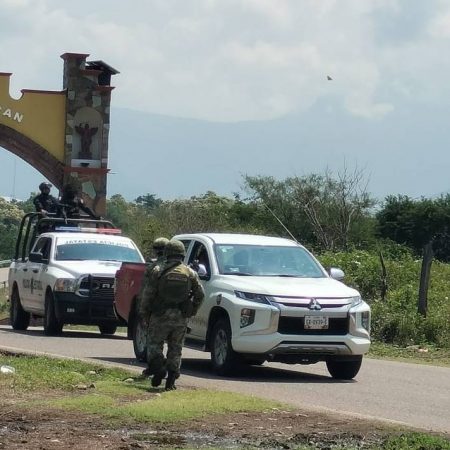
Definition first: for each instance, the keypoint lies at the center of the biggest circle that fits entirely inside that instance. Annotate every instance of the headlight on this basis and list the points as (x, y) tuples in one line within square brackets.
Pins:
[(365, 320), (247, 317), (356, 301), (257, 298), (65, 285)]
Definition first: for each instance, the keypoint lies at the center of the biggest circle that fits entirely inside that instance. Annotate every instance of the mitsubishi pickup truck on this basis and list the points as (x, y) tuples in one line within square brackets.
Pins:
[(64, 271), (267, 299)]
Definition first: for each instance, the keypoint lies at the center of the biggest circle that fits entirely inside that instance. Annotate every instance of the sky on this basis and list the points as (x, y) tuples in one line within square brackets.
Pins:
[(231, 64)]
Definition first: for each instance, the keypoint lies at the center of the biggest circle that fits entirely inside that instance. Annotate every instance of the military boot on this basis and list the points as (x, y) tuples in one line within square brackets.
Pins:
[(158, 377), (170, 382)]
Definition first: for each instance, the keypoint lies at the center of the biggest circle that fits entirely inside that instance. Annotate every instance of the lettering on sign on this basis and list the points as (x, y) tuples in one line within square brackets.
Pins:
[(10, 114)]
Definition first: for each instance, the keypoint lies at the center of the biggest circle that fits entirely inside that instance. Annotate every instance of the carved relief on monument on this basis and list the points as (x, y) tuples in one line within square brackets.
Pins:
[(87, 138)]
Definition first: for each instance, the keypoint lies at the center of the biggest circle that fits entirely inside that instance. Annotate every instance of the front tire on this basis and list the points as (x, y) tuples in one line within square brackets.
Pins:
[(107, 329), (139, 335), (223, 358), (52, 326), (19, 318), (344, 370)]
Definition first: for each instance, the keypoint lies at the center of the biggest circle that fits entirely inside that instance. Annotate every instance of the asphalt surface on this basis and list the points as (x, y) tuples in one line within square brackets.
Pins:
[(416, 395)]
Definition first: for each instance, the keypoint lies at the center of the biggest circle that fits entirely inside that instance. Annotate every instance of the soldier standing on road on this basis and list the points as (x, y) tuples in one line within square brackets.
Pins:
[(171, 295), (158, 246), (45, 202)]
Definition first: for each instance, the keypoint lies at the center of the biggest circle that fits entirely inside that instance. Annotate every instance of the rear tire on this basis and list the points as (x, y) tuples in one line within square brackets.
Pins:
[(139, 334), (223, 358), (107, 329), (344, 370), (52, 326), (19, 318)]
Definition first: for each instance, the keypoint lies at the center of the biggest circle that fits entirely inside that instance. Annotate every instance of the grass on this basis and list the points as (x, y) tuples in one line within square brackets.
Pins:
[(4, 305), (168, 407), (115, 394), (425, 354)]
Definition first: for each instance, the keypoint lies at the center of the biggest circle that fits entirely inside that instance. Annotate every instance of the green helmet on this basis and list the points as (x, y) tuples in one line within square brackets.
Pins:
[(160, 243), (175, 248)]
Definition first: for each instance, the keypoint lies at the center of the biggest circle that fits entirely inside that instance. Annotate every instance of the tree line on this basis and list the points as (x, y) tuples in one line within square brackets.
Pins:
[(324, 212)]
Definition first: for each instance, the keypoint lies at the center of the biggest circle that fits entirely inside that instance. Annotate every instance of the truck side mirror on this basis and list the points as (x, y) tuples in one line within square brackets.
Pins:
[(35, 257), (336, 274), (202, 272)]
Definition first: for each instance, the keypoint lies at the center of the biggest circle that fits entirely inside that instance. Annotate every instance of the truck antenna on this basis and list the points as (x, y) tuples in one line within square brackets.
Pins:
[(280, 222)]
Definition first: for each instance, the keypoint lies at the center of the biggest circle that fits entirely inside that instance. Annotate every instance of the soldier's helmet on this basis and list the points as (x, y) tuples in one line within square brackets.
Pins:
[(175, 248), (159, 244), (44, 185)]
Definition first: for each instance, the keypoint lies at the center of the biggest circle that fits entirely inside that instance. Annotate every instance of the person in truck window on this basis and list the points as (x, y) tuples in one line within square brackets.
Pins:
[(71, 204), (45, 202), (171, 295)]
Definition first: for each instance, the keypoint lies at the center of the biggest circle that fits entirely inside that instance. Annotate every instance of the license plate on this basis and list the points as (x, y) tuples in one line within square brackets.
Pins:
[(316, 323)]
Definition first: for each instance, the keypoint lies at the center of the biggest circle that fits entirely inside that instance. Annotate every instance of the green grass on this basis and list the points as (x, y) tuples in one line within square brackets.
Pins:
[(62, 374), (425, 354), (4, 305), (168, 407), (416, 441)]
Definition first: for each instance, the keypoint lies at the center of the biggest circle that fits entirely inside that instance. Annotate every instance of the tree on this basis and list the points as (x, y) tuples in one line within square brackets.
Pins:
[(10, 217), (322, 210)]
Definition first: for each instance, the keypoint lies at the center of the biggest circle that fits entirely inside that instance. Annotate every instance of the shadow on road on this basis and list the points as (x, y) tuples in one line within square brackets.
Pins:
[(86, 334), (201, 368)]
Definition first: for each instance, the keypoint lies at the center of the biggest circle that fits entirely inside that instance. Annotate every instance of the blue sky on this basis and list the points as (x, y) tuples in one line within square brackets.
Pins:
[(248, 66)]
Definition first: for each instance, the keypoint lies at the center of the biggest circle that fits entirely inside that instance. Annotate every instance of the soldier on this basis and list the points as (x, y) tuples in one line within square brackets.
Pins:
[(171, 295), (158, 246), (45, 202), (71, 204)]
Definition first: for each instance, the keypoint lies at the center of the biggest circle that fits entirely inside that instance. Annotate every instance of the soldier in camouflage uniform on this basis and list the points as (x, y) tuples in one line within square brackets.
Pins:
[(158, 246), (171, 295)]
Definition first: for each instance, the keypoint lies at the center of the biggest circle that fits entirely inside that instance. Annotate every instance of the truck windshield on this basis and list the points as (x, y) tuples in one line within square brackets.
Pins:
[(96, 251), (261, 260)]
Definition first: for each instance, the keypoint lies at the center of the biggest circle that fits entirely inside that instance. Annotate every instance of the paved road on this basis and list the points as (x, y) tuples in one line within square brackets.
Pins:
[(413, 394)]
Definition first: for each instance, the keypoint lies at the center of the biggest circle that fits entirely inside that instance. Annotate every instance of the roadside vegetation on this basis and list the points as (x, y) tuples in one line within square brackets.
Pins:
[(83, 405), (379, 245)]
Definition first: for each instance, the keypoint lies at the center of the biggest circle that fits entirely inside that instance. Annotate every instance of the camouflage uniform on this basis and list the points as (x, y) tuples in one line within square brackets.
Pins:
[(171, 295)]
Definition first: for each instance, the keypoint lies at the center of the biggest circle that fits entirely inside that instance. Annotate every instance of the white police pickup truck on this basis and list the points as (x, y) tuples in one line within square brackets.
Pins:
[(68, 276), (268, 298)]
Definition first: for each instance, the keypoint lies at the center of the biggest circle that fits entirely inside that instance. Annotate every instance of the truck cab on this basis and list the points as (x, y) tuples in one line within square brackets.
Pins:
[(63, 271)]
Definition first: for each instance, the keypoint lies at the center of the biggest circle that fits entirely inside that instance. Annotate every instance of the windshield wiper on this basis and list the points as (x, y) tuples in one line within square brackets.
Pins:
[(241, 274)]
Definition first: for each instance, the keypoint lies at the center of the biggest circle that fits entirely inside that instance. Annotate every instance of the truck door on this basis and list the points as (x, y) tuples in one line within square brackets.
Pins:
[(199, 323), (37, 270)]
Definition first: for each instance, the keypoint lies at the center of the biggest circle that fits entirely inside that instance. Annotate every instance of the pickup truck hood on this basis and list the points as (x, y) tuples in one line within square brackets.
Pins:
[(77, 268), (287, 287)]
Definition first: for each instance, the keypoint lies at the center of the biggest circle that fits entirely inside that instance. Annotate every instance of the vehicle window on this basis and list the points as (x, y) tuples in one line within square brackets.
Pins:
[(260, 260), (186, 243), (43, 246), (199, 255), (97, 251)]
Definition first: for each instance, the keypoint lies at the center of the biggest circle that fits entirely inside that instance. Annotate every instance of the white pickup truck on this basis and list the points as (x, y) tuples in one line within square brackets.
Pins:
[(68, 276), (268, 298)]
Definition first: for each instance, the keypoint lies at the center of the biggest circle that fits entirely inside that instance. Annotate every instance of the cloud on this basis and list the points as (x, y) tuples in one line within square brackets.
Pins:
[(226, 61)]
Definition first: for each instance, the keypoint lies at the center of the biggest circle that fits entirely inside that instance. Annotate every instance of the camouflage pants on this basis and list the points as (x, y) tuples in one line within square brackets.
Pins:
[(169, 327)]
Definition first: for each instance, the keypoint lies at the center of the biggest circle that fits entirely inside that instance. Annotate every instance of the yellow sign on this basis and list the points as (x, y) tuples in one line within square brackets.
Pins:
[(38, 115)]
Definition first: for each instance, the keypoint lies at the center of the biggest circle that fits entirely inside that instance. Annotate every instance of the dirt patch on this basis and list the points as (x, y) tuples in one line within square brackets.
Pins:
[(46, 429)]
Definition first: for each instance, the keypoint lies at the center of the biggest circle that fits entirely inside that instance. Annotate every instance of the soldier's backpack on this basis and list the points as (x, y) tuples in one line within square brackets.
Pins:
[(174, 288)]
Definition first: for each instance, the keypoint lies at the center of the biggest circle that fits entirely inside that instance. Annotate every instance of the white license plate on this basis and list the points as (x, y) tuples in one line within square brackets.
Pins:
[(316, 322)]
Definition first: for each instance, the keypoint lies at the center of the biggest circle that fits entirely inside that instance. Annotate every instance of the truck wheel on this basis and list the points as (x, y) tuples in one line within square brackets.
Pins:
[(223, 357), (52, 326), (139, 334), (344, 370), (18, 317), (107, 329)]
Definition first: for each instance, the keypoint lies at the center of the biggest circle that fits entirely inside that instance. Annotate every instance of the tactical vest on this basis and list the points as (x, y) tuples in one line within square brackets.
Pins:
[(174, 288)]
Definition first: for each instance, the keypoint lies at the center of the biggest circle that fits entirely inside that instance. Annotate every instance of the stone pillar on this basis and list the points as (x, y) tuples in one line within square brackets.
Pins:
[(87, 127)]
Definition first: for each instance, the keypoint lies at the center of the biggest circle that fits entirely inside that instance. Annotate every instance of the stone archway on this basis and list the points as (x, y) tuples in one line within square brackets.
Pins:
[(64, 134), (32, 153)]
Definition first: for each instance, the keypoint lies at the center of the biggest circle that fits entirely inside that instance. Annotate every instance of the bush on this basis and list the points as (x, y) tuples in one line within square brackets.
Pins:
[(395, 320)]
